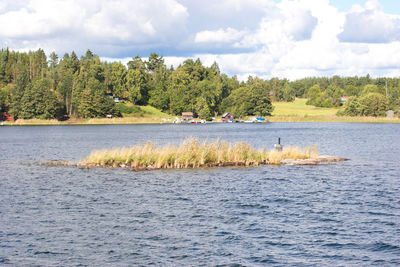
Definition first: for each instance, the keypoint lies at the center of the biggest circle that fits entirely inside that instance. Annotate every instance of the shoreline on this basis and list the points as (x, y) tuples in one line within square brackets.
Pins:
[(284, 162), (133, 120)]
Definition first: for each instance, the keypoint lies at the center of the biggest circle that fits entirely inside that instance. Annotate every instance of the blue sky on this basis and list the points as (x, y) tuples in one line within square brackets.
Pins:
[(268, 38), (389, 6)]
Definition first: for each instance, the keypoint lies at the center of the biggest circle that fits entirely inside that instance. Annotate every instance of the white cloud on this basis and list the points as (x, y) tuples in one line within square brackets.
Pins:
[(297, 21), (281, 53), (222, 14), (220, 36), (370, 25), (37, 20), (136, 21), (92, 24), (287, 38)]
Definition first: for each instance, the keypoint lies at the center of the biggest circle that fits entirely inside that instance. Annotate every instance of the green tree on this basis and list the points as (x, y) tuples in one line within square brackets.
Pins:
[(373, 104), (394, 97), (313, 94), (288, 93), (17, 92), (240, 102), (351, 107), (352, 90), (158, 94), (39, 101), (202, 109), (85, 107), (94, 103), (135, 82), (4, 57), (5, 97), (155, 61), (260, 99), (334, 94), (118, 80), (179, 91), (370, 88), (53, 69)]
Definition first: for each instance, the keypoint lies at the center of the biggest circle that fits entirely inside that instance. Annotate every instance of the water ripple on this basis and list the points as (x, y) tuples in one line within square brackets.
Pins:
[(334, 215)]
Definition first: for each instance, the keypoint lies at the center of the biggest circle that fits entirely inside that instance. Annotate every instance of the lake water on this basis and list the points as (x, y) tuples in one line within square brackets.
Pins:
[(345, 213)]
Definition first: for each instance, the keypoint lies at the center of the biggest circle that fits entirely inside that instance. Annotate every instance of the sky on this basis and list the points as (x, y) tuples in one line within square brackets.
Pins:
[(267, 38)]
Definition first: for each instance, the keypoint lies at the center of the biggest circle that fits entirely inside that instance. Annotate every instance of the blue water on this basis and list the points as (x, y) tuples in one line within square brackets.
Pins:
[(345, 213)]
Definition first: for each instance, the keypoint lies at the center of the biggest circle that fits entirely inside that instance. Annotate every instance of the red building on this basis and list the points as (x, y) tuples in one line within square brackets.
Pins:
[(227, 117), (4, 116)]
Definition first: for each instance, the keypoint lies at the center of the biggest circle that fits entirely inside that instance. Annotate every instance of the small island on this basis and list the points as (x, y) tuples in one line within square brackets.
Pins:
[(194, 154)]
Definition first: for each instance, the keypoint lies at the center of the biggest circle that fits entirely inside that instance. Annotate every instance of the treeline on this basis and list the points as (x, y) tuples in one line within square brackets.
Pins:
[(363, 96), (34, 86)]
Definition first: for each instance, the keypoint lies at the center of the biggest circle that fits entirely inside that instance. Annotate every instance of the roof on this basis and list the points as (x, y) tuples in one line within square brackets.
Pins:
[(187, 113), (225, 114)]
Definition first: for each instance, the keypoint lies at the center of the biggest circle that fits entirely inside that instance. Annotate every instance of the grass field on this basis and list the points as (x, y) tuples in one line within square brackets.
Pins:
[(298, 111), (152, 111), (299, 108)]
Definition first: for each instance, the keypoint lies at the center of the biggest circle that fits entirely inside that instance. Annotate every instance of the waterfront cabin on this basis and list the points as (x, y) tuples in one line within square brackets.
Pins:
[(4, 116), (227, 117), (187, 116)]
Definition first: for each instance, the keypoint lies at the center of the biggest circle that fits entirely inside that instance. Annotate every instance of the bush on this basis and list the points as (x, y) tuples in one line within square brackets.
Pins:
[(371, 104), (351, 107)]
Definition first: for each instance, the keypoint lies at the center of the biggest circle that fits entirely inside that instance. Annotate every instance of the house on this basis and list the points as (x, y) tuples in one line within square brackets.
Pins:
[(187, 116), (227, 117), (4, 116)]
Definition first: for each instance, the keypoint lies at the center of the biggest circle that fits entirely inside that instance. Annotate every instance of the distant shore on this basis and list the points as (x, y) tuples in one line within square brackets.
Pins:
[(333, 118), (153, 120), (296, 111), (96, 121)]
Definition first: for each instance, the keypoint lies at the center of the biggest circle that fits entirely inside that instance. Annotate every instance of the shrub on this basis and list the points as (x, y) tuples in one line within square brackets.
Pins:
[(373, 104), (351, 107)]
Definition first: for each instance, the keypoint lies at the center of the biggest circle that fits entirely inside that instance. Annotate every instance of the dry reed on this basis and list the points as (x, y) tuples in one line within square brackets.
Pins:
[(193, 154)]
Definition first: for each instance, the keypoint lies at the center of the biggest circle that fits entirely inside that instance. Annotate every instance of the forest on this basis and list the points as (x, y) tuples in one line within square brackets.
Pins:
[(33, 85)]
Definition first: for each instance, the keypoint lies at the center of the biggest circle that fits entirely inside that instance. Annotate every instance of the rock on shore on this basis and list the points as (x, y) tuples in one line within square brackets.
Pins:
[(312, 161)]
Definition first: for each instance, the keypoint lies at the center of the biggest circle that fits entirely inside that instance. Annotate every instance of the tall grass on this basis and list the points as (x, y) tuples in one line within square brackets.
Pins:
[(193, 154)]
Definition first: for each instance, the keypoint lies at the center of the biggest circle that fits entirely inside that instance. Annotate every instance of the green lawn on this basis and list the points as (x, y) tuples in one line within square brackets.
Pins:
[(299, 108), (298, 111), (153, 111)]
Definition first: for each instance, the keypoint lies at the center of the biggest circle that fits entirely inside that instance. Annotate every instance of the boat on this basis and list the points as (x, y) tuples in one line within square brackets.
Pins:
[(260, 120)]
